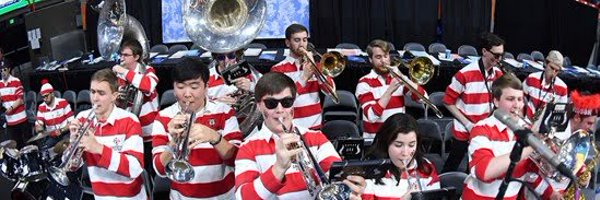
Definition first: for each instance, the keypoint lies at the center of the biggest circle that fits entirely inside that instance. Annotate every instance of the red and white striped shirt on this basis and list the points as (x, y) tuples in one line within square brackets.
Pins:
[(539, 94), (55, 117), (468, 92), (369, 90), (307, 107), (254, 178), (11, 90), (214, 177), (146, 83), (217, 87), (491, 138), (116, 172), (394, 189)]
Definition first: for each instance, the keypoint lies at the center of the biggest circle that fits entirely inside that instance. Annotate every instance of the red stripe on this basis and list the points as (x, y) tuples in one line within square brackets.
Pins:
[(205, 190), (118, 189), (307, 111), (284, 67)]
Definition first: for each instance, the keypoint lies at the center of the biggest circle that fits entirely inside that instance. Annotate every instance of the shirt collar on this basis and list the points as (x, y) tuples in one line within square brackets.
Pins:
[(266, 134), (111, 117)]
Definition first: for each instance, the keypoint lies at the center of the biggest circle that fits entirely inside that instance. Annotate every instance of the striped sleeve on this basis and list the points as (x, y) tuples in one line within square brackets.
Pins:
[(455, 89), (325, 152), (372, 111), (250, 184), (144, 82), (481, 154), (160, 142), (231, 132), (129, 161)]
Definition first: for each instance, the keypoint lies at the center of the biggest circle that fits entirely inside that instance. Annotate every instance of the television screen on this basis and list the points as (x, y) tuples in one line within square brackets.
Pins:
[(280, 14), (7, 6)]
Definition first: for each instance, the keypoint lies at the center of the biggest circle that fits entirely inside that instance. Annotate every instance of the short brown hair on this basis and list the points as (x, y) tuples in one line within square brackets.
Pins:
[(508, 80), (383, 45), (293, 29), (273, 83), (136, 48), (109, 76)]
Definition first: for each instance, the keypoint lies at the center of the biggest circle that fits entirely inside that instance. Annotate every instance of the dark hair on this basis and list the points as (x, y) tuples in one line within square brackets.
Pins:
[(294, 28), (488, 40), (136, 48), (273, 83), (189, 69), (385, 46), (109, 76), (508, 80), (399, 123)]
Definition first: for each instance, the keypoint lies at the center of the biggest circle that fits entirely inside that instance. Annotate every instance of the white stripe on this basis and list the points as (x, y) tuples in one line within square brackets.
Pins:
[(473, 109), (227, 195), (99, 174), (307, 99), (16, 117), (141, 196), (210, 173), (309, 121)]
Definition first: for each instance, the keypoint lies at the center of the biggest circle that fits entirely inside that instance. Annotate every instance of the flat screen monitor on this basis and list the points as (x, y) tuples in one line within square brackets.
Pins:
[(68, 45), (7, 6)]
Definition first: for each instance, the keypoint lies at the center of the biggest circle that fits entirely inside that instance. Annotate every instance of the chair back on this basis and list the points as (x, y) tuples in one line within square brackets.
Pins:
[(160, 48), (436, 48), (524, 56), (537, 56), (453, 179), (347, 46), (467, 50), (413, 46), (167, 99), (71, 97), (337, 129), (178, 47)]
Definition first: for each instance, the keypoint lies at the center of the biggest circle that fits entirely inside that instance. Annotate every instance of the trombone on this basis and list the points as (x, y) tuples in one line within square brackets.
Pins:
[(421, 70), (332, 64)]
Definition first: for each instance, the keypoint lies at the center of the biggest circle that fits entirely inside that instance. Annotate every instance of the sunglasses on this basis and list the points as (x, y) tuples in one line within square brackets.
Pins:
[(221, 57), (271, 103), (497, 55)]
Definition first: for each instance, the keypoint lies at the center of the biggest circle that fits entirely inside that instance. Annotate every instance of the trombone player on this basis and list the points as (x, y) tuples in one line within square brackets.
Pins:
[(380, 94), (113, 148), (307, 111), (213, 136)]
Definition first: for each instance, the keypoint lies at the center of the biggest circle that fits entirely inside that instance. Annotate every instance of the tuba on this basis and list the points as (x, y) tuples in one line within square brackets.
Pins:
[(115, 26)]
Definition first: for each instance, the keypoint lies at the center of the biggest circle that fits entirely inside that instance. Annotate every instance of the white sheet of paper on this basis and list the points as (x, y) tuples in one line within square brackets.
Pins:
[(152, 54), (252, 52), (35, 44), (425, 54), (513, 62), (206, 55), (534, 64)]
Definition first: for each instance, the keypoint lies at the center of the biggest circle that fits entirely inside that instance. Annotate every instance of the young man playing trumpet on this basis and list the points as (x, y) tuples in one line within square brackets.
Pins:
[(264, 165), (545, 87), (379, 93), (112, 146), (307, 110), (213, 136), (53, 116)]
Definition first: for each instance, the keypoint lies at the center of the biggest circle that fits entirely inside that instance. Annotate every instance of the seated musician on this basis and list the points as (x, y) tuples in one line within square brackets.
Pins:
[(212, 136), (53, 116), (264, 167), (218, 89), (491, 144), (307, 110), (545, 86), (379, 93), (112, 146), (398, 139)]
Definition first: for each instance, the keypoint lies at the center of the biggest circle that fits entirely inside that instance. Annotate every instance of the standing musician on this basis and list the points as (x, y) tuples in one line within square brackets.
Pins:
[(307, 110), (11, 97), (398, 139), (218, 89), (469, 98), (379, 93), (213, 136), (263, 166), (130, 73), (491, 144), (113, 146), (53, 116), (544, 87)]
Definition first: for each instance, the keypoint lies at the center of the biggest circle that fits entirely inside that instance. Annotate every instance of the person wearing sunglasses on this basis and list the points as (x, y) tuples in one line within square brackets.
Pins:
[(469, 98), (11, 97), (213, 136), (308, 109), (218, 89), (379, 93), (545, 86), (53, 116), (264, 167), (132, 71)]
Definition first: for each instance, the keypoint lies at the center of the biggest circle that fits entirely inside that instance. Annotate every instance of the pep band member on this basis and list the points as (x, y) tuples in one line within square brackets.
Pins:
[(398, 139), (307, 110), (469, 98), (113, 146), (545, 87), (379, 93), (213, 136), (11, 94), (218, 89), (490, 147), (53, 116), (263, 166)]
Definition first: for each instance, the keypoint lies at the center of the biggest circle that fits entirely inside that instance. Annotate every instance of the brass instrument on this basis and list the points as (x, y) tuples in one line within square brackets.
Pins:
[(572, 191), (131, 98), (74, 152), (306, 164), (114, 26), (420, 70), (179, 169), (332, 65)]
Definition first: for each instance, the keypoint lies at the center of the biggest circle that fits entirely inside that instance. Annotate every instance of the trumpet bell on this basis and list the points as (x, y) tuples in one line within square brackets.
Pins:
[(180, 171), (333, 64), (59, 175), (334, 191)]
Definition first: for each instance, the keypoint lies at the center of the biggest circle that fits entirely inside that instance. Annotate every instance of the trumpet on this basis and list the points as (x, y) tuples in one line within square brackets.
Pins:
[(179, 169), (332, 64), (326, 190), (421, 70), (74, 153)]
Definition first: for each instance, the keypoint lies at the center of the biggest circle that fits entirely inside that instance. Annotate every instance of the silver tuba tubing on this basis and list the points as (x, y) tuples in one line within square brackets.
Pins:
[(130, 97), (114, 26), (179, 169), (74, 153)]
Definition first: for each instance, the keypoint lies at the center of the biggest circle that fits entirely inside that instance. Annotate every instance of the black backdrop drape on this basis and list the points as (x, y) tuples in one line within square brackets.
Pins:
[(525, 25)]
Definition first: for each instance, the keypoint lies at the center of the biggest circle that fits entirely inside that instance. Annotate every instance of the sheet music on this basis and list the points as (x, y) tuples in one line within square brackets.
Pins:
[(252, 52), (534, 64)]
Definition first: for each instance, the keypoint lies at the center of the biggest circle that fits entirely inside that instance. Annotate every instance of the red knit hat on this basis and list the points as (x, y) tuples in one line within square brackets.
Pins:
[(46, 87), (585, 104)]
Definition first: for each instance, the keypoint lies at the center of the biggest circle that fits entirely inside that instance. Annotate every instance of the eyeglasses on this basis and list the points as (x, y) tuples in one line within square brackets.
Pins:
[(221, 57), (271, 103), (497, 55)]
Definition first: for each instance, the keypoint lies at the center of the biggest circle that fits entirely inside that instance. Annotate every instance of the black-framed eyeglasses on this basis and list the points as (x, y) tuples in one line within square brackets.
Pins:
[(271, 103), (497, 55), (221, 57)]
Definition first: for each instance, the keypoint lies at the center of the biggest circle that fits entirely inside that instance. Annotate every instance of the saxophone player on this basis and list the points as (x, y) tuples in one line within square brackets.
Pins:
[(541, 88), (263, 166), (213, 136), (113, 148)]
